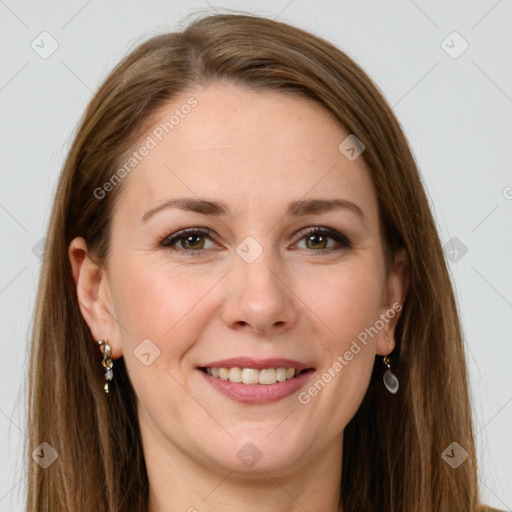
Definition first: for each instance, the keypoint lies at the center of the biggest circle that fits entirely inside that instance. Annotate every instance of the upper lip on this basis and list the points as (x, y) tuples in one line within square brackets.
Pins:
[(259, 364)]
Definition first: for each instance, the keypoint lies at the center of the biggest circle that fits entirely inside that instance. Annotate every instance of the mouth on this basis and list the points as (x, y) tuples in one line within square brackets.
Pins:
[(255, 382), (265, 376)]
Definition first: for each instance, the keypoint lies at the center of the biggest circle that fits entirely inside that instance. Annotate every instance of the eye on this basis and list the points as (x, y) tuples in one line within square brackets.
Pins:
[(189, 239), (316, 239), (192, 241)]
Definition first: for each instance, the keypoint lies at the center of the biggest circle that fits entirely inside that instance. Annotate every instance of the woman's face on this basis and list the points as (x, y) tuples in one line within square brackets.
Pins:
[(254, 279)]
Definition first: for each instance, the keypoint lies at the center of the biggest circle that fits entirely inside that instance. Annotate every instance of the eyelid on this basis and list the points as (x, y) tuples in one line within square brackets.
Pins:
[(342, 240), (332, 233), (168, 240)]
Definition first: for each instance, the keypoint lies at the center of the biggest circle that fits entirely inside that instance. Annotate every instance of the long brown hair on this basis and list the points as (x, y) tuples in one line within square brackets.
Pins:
[(393, 445)]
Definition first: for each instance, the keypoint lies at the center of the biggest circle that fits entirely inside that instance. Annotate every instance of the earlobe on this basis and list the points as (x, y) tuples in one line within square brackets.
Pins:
[(93, 294)]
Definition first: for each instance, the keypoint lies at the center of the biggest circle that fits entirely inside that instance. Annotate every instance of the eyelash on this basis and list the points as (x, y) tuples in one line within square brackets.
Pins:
[(168, 241)]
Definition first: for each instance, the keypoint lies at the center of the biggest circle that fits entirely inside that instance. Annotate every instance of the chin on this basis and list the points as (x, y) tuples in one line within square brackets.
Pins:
[(259, 454)]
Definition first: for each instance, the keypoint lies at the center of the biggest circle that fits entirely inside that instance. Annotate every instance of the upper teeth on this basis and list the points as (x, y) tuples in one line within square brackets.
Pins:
[(254, 376)]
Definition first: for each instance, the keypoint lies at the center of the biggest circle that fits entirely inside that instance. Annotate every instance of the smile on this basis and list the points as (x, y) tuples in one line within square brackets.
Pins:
[(256, 387), (266, 376)]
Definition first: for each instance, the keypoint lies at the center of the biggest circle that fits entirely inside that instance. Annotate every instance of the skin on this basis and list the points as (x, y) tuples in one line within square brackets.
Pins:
[(256, 152)]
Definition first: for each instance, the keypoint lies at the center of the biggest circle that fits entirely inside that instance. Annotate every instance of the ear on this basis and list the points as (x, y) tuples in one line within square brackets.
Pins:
[(394, 294), (93, 294)]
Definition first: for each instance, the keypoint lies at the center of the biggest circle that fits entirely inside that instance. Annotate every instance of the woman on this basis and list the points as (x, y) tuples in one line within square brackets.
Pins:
[(244, 301)]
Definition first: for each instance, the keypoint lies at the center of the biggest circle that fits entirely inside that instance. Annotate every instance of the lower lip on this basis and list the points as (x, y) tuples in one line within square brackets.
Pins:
[(256, 394)]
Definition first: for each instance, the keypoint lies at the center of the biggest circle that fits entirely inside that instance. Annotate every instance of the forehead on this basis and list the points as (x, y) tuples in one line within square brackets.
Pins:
[(254, 150)]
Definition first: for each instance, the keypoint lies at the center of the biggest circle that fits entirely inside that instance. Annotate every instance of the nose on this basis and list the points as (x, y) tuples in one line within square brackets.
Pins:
[(258, 297)]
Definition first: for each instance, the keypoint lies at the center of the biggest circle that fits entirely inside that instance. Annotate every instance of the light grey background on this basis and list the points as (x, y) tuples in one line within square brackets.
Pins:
[(456, 112)]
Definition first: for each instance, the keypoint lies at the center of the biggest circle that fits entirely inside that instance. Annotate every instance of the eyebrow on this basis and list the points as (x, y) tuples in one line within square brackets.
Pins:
[(296, 208)]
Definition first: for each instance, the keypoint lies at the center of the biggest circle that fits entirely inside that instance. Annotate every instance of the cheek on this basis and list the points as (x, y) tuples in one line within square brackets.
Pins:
[(168, 308), (161, 304), (344, 301), (347, 303)]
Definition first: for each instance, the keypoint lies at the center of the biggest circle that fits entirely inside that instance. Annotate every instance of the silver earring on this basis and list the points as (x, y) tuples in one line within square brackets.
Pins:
[(107, 363), (389, 378)]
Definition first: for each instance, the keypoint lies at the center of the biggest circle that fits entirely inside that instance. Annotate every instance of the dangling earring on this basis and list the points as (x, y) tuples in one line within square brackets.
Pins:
[(389, 378), (107, 363)]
